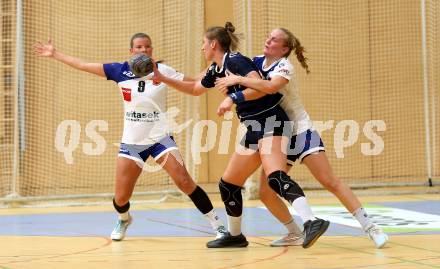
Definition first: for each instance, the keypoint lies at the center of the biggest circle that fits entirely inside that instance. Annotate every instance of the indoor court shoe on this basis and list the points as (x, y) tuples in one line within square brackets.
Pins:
[(120, 229), (313, 230), (377, 235), (220, 232), (229, 241), (291, 239)]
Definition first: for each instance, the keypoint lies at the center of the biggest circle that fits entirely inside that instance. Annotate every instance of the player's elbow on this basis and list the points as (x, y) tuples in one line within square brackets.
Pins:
[(197, 93)]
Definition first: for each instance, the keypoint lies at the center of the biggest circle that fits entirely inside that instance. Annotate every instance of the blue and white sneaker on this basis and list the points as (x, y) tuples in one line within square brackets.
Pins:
[(120, 229), (220, 232), (377, 235), (291, 239)]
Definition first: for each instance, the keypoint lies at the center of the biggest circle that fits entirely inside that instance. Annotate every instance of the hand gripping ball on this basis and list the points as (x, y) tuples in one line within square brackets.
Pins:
[(140, 64)]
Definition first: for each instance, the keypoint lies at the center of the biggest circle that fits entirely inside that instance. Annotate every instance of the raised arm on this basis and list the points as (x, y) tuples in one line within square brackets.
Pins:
[(48, 50)]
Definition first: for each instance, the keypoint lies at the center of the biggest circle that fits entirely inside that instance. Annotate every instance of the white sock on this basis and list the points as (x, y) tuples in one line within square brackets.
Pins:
[(213, 219), (303, 209), (362, 217), (292, 227), (234, 225), (124, 216)]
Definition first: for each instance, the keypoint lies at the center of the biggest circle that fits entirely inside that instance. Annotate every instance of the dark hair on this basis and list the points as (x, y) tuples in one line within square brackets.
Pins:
[(224, 35), (138, 35), (293, 43)]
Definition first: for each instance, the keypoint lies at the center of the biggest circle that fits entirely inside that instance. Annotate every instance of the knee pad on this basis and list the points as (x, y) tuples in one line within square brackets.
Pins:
[(282, 184), (121, 209), (231, 197)]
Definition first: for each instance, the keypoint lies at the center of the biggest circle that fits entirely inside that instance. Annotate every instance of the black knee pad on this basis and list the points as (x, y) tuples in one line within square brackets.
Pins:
[(121, 209), (282, 184), (231, 197)]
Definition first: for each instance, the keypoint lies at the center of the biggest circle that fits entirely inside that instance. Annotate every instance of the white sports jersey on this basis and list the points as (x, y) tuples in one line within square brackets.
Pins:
[(291, 102), (144, 103)]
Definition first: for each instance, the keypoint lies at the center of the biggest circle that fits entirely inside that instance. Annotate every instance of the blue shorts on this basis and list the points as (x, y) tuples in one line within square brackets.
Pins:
[(140, 153), (302, 145)]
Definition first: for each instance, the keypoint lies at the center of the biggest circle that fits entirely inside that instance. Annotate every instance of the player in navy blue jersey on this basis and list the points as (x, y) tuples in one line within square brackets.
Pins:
[(146, 132), (266, 138), (306, 145)]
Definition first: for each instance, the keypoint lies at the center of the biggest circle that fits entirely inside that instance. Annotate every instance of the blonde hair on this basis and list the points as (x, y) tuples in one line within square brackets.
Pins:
[(293, 43)]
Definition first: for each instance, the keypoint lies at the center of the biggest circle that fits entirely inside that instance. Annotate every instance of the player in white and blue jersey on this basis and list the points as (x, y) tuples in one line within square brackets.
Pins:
[(306, 144), (267, 128), (146, 132)]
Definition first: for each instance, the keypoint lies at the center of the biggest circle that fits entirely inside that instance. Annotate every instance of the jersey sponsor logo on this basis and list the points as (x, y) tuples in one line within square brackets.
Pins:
[(128, 74), (142, 116), (126, 92), (284, 71)]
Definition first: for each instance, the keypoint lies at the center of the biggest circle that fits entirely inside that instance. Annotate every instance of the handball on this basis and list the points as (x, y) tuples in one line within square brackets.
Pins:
[(141, 65)]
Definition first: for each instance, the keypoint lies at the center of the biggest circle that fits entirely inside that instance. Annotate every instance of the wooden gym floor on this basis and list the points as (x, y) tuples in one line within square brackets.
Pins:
[(173, 235)]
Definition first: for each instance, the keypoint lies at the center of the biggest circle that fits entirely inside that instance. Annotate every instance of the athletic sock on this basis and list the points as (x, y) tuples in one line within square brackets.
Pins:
[(303, 209), (123, 216), (362, 217), (234, 225), (292, 228), (213, 219)]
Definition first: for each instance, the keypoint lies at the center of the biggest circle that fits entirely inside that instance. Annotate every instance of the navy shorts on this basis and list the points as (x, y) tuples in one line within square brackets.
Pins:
[(302, 145), (140, 153), (274, 122)]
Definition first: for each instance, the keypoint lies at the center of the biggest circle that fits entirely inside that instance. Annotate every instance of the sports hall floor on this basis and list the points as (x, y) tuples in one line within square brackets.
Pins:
[(173, 234)]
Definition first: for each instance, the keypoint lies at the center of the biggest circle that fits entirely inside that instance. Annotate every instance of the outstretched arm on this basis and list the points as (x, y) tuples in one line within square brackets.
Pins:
[(48, 50), (188, 85)]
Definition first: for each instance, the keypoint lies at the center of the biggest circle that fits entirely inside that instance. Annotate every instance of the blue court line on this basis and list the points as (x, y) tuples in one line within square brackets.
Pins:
[(165, 223)]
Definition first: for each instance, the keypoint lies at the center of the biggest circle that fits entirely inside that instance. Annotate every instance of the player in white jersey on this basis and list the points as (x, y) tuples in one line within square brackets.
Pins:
[(145, 134), (306, 144)]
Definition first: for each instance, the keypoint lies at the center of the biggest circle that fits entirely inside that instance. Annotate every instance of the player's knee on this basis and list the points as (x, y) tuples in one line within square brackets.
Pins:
[(282, 184), (186, 184), (232, 198), (266, 193), (331, 183)]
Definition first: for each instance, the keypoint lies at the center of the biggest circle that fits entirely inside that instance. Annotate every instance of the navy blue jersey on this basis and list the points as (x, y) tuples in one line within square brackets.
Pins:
[(259, 61), (118, 72), (240, 65)]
